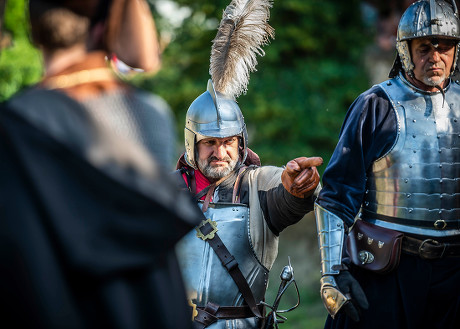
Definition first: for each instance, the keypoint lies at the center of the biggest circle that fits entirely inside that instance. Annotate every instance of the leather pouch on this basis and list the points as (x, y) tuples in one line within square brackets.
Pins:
[(373, 247)]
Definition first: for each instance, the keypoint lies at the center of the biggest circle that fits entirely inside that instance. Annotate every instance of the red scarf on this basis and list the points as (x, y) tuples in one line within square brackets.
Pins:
[(201, 182)]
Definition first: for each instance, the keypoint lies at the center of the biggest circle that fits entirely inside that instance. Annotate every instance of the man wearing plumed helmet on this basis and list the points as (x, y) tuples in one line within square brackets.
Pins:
[(226, 260), (391, 195)]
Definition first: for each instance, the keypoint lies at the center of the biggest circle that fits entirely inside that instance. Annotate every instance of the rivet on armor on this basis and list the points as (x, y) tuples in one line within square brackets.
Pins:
[(414, 120), (440, 212), (440, 181), (410, 210), (410, 166), (440, 196), (389, 83), (367, 192), (414, 136), (440, 166), (438, 137), (455, 120), (408, 195), (434, 121), (406, 180), (440, 151), (415, 151), (366, 203), (399, 102)]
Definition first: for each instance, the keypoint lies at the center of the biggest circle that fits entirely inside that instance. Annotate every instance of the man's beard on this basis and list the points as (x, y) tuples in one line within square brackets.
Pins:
[(216, 172), (435, 80), (430, 82)]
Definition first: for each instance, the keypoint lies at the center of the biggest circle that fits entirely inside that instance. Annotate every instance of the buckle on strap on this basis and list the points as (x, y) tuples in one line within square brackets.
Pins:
[(207, 316), (206, 230), (423, 253)]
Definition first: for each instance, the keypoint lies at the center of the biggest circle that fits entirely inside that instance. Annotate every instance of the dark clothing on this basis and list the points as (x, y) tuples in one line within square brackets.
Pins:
[(419, 293), (368, 132), (86, 242)]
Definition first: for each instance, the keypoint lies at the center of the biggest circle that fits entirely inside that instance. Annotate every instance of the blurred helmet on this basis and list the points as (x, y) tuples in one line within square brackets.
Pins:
[(213, 114), (425, 19)]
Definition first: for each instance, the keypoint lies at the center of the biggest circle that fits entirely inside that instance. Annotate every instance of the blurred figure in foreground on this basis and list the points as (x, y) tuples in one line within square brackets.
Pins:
[(396, 168), (88, 218)]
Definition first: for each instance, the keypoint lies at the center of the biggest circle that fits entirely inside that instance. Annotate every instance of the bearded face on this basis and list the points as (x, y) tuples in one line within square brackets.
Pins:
[(217, 157)]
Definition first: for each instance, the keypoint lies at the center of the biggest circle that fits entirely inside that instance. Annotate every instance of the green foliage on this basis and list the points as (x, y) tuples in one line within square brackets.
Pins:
[(295, 103), (20, 64), (297, 99)]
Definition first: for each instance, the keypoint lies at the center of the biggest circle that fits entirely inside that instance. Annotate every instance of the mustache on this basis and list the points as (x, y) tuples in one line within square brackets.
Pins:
[(214, 158)]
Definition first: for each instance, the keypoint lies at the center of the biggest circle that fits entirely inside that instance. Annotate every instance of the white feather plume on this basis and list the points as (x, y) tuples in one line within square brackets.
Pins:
[(242, 32)]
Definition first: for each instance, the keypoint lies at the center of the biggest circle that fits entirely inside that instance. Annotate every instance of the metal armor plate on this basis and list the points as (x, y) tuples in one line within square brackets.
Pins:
[(206, 279), (418, 180)]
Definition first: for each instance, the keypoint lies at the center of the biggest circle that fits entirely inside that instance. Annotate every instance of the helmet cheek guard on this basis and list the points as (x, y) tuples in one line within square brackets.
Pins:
[(404, 55)]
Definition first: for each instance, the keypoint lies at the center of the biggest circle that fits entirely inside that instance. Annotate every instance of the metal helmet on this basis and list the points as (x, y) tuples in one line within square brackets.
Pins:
[(425, 18), (212, 114)]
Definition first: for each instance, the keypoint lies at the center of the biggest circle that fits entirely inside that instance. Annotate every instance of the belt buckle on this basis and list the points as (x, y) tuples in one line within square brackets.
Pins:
[(210, 235), (433, 242), (440, 224)]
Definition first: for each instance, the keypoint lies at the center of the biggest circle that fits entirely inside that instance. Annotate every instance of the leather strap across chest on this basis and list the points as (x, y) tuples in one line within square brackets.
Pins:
[(230, 263)]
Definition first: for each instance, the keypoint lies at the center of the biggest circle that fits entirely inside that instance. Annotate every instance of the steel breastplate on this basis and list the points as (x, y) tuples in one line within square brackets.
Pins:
[(417, 182), (205, 278)]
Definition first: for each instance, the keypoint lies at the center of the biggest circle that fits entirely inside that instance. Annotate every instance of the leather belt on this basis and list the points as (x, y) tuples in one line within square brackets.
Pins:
[(439, 224), (212, 312), (429, 248)]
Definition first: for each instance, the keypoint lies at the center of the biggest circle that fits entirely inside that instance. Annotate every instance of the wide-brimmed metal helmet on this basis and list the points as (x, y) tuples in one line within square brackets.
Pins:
[(425, 19), (213, 114)]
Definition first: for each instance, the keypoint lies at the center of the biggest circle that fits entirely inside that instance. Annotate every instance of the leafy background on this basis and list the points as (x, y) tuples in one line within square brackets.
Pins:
[(294, 106)]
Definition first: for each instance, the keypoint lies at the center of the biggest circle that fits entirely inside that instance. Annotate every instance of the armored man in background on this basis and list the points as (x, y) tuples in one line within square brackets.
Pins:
[(226, 260), (397, 164)]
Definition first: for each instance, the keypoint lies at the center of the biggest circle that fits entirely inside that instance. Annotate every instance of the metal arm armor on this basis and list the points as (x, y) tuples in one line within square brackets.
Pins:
[(331, 235)]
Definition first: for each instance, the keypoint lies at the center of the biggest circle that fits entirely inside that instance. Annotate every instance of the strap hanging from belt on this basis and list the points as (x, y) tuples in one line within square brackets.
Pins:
[(230, 263)]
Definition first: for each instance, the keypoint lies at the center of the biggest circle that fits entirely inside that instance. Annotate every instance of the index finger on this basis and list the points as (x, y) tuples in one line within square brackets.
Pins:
[(304, 162)]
